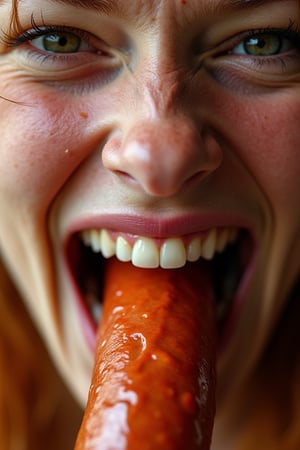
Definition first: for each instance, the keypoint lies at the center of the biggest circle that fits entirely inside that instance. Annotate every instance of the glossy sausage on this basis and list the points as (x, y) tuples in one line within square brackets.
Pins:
[(153, 385)]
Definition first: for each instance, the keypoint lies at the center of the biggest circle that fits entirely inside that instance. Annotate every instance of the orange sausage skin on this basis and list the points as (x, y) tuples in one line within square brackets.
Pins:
[(153, 385)]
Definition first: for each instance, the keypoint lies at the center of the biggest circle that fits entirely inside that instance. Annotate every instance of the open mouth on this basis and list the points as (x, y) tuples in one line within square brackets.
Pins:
[(228, 251)]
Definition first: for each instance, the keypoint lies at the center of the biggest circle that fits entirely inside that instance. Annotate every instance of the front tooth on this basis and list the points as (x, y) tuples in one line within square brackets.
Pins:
[(172, 254), (145, 253), (95, 241), (194, 250), (108, 246), (209, 245), (123, 249)]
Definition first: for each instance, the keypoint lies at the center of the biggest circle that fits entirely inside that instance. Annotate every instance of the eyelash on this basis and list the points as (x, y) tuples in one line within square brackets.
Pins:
[(289, 33), (17, 38), (36, 31), (286, 33)]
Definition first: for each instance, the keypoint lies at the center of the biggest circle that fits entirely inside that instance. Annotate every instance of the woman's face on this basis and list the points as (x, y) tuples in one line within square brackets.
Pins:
[(157, 119)]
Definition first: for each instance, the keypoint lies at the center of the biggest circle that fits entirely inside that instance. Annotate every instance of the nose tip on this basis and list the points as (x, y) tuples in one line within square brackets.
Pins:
[(161, 158)]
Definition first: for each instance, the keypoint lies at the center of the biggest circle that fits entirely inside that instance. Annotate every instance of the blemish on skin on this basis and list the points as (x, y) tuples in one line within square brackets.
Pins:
[(183, 2), (68, 152), (83, 114)]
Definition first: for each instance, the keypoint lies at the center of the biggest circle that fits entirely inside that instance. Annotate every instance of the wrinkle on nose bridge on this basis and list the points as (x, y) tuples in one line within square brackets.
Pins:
[(162, 96), (159, 89)]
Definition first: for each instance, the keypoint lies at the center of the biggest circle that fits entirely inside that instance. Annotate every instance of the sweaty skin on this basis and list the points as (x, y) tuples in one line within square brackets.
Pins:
[(153, 385)]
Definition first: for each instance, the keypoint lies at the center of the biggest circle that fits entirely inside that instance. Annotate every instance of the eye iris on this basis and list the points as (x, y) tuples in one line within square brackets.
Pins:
[(61, 43), (263, 45)]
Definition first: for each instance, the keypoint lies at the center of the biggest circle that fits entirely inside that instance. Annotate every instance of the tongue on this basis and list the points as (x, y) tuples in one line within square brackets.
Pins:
[(153, 384)]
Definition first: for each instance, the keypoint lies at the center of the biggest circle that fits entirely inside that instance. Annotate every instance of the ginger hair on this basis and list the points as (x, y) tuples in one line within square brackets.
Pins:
[(35, 407)]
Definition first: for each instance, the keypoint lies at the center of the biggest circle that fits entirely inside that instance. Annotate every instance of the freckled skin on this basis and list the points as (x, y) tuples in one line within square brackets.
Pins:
[(176, 123)]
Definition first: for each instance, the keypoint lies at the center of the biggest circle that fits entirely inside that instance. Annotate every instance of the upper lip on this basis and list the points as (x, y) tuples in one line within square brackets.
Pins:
[(160, 226)]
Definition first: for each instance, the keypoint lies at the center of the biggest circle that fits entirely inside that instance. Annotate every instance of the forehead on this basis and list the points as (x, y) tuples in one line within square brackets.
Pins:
[(122, 7)]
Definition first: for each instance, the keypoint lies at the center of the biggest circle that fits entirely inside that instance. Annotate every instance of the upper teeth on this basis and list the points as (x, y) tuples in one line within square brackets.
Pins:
[(171, 253)]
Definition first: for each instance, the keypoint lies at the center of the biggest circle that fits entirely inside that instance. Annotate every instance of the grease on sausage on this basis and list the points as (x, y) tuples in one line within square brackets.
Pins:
[(153, 385)]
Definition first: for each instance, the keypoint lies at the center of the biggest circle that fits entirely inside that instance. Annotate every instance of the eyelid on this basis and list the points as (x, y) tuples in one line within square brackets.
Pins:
[(40, 31), (84, 45), (36, 32), (286, 45), (288, 33)]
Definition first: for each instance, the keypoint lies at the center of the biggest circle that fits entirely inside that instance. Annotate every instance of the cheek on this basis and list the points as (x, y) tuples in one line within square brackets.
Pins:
[(40, 147), (268, 142)]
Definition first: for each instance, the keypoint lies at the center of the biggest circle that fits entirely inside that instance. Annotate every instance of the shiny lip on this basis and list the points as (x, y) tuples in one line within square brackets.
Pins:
[(161, 228)]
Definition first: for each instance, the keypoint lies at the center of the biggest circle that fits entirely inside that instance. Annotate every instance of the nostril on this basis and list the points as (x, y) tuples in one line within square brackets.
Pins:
[(195, 178), (126, 178), (161, 158)]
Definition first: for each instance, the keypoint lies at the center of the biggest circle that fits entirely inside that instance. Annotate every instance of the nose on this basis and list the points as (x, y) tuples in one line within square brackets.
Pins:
[(162, 157)]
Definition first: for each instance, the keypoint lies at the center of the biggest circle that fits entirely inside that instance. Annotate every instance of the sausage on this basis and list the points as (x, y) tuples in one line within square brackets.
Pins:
[(153, 384)]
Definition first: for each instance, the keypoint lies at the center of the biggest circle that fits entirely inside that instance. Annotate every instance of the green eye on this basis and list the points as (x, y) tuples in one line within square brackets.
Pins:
[(263, 45), (61, 42)]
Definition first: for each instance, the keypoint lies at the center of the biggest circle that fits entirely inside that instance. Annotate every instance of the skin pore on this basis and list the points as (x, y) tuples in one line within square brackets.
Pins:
[(158, 119)]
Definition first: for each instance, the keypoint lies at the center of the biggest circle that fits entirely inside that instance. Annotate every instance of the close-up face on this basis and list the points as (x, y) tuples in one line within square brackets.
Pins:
[(162, 132)]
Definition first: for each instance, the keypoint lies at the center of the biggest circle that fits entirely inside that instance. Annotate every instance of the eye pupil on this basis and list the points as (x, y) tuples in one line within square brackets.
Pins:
[(62, 41)]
